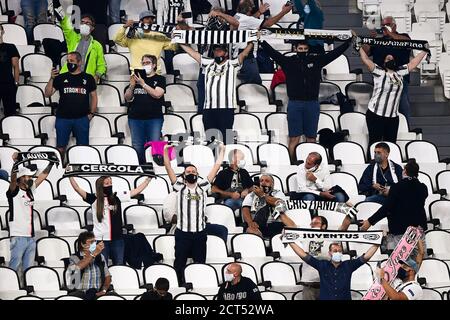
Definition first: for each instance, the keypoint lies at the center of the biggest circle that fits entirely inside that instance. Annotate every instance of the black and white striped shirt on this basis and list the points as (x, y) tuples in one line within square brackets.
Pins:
[(191, 204), (387, 91), (220, 83)]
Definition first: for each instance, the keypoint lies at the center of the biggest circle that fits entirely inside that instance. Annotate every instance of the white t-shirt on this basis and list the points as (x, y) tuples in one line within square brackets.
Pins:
[(246, 23), (255, 203), (305, 185), (104, 230), (411, 289), (21, 212)]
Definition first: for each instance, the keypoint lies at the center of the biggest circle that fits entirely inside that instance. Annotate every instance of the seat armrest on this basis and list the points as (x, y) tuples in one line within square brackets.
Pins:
[(40, 260), (446, 160), (417, 130), (28, 289), (188, 286), (237, 256), (4, 136), (357, 71), (129, 227), (147, 286), (50, 229), (275, 255)]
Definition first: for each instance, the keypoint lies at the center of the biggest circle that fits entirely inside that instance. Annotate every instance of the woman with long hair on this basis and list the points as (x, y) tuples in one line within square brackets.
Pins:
[(107, 214)]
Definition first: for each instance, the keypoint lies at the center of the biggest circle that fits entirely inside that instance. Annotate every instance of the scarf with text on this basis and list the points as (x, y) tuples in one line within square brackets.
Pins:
[(108, 170), (401, 252), (396, 44), (339, 207), (299, 234), (27, 157)]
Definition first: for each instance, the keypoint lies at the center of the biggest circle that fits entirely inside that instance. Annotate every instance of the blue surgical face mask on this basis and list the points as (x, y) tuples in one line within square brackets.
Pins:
[(92, 247), (402, 274), (336, 256), (307, 9)]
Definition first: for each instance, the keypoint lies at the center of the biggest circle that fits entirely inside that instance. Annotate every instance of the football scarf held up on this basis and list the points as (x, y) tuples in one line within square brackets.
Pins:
[(401, 252), (108, 170), (298, 234), (396, 44), (243, 36), (339, 207), (23, 157)]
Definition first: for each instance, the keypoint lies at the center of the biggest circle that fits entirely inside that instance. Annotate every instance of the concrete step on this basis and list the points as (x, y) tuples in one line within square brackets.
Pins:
[(437, 109), (430, 121)]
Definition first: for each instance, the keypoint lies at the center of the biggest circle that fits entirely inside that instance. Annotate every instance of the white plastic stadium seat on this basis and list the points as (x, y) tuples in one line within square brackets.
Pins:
[(45, 281), (203, 278), (9, 284), (125, 281)]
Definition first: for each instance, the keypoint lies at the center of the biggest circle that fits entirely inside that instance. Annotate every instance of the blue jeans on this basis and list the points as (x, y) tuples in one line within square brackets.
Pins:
[(200, 91), (114, 11), (233, 204), (378, 198), (143, 131), (3, 174), (404, 107), (303, 118), (340, 197), (217, 230), (249, 72), (34, 12), (115, 249), (79, 127), (23, 251)]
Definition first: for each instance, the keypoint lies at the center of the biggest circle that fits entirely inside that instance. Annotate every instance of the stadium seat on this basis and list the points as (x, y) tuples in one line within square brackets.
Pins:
[(437, 274), (280, 93), (27, 96), (217, 253), (440, 210), (68, 298), (444, 71), (42, 31), (100, 132), (281, 276), (66, 222), (121, 127), (438, 240), (51, 252), (254, 98), (276, 122), (182, 100), (125, 281), (189, 296), (5, 253), (118, 72), (338, 72), (443, 182), (200, 156), (272, 295), (431, 294), (187, 68), (165, 244), (155, 271), (112, 297), (347, 182), (362, 278), (298, 295), (359, 94), (45, 281), (155, 192), (366, 209), (432, 196), (355, 123), (55, 174), (143, 219), (249, 130), (121, 154), (22, 139), (174, 124), (203, 278), (29, 297), (356, 295), (83, 155), (352, 156), (223, 215), (9, 284)]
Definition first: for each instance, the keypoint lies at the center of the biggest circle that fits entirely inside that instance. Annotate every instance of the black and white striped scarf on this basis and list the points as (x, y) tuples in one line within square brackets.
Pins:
[(298, 235), (108, 170)]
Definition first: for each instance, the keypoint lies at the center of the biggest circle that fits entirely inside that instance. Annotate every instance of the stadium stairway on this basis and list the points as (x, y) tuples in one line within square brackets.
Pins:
[(430, 110)]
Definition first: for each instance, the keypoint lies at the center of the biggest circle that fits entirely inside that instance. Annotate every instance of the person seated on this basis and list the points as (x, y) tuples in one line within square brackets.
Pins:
[(159, 292), (233, 183), (88, 270), (260, 210), (236, 287), (380, 175), (313, 182)]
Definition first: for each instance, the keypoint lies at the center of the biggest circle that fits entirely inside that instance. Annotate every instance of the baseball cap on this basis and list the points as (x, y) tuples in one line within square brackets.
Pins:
[(146, 14), (24, 171), (410, 263)]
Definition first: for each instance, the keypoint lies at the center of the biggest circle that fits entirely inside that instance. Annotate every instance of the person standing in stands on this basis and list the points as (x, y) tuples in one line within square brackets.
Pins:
[(249, 20), (237, 287), (9, 60), (404, 207), (168, 11), (233, 183), (107, 214), (77, 102), (382, 114), (143, 41), (20, 195), (402, 57), (380, 175), (34, 12), (114, 11), (146, 99), (220, 85), (190, 234), (88, 268), (91, 51), (311, 17), (303, 77)]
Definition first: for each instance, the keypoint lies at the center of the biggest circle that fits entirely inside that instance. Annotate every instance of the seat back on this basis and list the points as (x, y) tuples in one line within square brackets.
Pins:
[(141, 217), (124, 277), (42, 279), (155, 271), (278, 273), (201, 275), (249, 245)]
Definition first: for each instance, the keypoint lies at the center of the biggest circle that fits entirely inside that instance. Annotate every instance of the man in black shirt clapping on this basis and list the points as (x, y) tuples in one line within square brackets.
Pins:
[(237, 287), (77, 102)]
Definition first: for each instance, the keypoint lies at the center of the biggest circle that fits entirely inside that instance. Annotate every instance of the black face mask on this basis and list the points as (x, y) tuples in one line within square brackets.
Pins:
[(191, 178), (219, 60), (266, 189), (29, 183), (402, 274), (391, 65), (107, 191), (72, 67), (302, 55)]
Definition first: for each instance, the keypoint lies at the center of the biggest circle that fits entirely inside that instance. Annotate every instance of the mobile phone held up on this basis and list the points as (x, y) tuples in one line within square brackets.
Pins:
[(140, 72), (256, 181)]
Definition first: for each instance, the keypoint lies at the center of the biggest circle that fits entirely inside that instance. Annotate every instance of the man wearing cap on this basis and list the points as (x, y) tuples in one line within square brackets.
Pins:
[(220, 86), (405, 286), (20, 200), (143, 41)]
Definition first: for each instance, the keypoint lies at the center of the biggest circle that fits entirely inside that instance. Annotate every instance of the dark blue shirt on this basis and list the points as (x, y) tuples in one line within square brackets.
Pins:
[(335, 282)]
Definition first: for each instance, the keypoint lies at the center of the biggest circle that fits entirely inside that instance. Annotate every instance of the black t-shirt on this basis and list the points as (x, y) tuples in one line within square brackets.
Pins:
[(74, 90), (401, 56), (144, 106), (153, 295), (245, 289), (228, 180), (7, 52)]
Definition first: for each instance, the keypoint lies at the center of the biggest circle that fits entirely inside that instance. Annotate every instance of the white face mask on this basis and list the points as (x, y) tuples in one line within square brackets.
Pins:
[(229, 277), (307, 9), (241, 164), (148, 68), (336, 256), (85, 30)]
